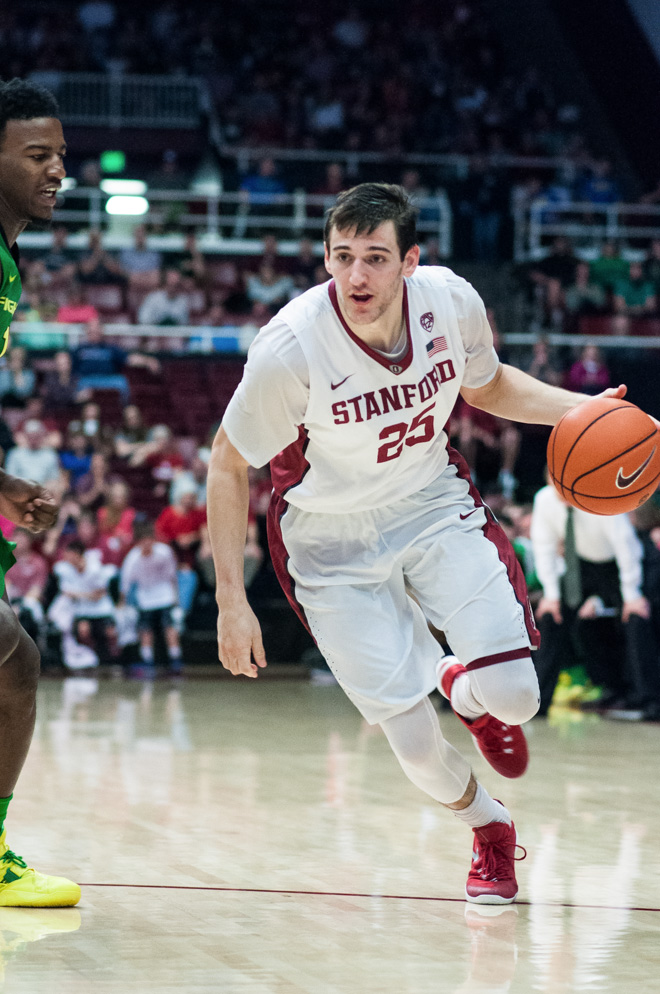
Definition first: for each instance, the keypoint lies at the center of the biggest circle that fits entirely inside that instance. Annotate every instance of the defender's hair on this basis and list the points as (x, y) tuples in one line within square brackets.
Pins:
[(21, 100), (365, 207)]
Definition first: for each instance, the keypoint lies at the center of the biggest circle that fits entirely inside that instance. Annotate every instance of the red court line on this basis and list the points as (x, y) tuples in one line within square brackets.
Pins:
[(382, 897)]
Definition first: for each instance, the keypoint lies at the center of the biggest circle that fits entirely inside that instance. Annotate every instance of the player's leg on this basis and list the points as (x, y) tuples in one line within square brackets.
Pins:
[(172, 641), (20, 885), (434, 766)]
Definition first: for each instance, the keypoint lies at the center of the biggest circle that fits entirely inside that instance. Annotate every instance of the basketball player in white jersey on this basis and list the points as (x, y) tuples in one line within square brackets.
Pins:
[(346, 392)]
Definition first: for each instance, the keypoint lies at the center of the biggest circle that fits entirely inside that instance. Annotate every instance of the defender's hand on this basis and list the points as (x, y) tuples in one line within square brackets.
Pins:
[(239, 640), (27, 504)]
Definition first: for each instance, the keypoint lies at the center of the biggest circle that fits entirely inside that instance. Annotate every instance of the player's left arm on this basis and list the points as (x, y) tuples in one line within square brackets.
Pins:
[(27, 504), (517, 396)]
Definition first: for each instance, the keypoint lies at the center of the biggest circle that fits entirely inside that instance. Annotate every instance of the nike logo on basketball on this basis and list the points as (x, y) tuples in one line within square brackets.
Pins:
[(623, 482), (464, 516), (333, 386)]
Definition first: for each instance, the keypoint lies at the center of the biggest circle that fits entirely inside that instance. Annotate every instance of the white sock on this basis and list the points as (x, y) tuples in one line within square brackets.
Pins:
[(483, 810), (462, 696), (147, 653)]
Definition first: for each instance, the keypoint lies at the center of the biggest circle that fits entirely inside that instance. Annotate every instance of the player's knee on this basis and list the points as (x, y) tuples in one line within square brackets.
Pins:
[(22, 668), (510, 691)]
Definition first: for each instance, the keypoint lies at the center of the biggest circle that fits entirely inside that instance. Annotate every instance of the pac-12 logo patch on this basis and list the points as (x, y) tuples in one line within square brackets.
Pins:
[(427, 320)]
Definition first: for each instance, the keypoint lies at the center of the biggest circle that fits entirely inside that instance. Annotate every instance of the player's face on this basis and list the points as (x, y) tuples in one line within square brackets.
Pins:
[(31, 169), (368, 272)]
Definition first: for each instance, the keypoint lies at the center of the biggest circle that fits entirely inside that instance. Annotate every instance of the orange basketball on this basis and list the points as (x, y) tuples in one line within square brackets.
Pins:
[(604, 456)]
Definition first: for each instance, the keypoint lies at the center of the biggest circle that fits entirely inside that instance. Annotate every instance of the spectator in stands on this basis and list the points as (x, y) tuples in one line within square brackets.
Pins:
[(490, 445), (83, 584), (551, 276), (187, 478), (183, 526), (33, 460), (635, 295), (100, 365), (269, 287), (169, 305), (92, 488), (26, 583), (544, 364), (590, 373), (304, 265), (61, 388), (169, 175), (34, 411), (161, 454), (583, 296), (99, 266), (483, 203), (141, 264), (116, 518), (75, 456), (77, 309), (263, 185), (652, 267), (132, 433), (599, 186), (149, 575), (609, 268), (334, 181), (191, 263), (17, 380), (60, 261)]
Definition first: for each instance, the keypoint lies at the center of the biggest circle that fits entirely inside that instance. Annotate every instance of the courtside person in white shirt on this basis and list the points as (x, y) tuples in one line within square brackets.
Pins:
[(346, 392)]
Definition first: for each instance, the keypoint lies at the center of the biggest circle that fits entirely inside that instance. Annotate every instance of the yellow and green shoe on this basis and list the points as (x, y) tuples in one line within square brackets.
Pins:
[(23, 887)]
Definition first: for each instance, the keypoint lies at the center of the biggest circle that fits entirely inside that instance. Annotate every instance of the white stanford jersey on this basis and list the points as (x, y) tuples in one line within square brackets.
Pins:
[(346, 428)]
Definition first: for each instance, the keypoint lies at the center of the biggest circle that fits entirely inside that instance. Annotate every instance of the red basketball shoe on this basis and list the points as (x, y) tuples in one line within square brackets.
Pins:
[(503, 746), (492, 876)]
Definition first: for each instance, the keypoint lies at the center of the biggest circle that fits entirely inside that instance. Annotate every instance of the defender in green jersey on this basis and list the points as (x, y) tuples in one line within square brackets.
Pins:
[(31, 172)]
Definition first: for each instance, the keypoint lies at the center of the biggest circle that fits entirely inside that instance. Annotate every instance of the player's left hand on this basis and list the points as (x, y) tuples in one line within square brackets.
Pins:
[(27, 504), (639, 606)]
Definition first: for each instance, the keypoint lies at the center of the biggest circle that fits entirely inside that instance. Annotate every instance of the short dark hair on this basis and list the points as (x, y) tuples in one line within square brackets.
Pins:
[(21, 100), (365, 207), (76, 546)]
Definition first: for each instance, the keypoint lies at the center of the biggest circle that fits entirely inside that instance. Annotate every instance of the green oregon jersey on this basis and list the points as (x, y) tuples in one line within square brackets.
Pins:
[(10, 289)]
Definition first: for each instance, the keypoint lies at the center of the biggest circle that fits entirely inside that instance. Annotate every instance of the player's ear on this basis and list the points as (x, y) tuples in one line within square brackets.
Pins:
[(411, 260), (326, 259)]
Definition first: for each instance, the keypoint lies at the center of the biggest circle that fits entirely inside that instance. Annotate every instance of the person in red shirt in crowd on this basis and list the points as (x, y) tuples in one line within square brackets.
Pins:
[(77, 309), (161, 454), (183, 526), (26, 582), (115, 522)]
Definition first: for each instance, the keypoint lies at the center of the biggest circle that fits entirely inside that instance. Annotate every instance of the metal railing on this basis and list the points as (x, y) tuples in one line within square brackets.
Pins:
[(227, 220), (587, 225), (116, 101)]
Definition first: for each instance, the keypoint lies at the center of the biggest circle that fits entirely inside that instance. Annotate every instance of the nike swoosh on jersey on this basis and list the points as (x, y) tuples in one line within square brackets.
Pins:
[(623, 482), (464, 516), (333, 386), (11, 279)]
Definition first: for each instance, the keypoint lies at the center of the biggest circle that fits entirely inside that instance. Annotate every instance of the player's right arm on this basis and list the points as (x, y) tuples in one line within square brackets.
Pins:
[(240, 646)]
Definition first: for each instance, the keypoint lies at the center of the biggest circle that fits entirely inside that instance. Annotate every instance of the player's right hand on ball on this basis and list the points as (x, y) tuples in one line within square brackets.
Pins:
[(240, 647)]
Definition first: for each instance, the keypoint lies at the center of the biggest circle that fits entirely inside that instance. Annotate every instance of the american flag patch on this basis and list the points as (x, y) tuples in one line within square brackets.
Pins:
[(436, 345)]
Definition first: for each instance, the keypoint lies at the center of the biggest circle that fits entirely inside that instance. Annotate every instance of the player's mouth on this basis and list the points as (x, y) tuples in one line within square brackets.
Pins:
[(361, 298), (48, 195)]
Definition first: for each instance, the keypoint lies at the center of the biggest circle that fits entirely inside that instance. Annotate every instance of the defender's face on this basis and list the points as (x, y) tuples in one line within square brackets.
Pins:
[(31, 168), (368, 271)]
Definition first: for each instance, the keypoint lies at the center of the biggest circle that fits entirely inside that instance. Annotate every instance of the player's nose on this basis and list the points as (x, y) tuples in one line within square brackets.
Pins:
[(358, 273), (55, 169)]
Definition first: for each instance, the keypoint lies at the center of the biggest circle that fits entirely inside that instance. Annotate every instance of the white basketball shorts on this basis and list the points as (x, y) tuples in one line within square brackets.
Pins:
[(348, 577)]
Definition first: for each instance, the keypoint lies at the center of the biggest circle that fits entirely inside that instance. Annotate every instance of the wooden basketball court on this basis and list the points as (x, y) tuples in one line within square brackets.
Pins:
[(257, 837)]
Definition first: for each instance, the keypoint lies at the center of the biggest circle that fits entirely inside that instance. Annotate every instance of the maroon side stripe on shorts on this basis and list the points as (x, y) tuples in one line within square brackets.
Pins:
[(495, 534), (278, 554), (498, 657)]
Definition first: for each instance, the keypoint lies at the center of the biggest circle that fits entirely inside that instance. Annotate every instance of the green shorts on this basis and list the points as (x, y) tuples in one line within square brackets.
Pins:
[(7, 560)]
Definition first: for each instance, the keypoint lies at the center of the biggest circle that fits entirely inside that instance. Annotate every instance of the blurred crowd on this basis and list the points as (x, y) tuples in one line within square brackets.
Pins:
[(424, 77)]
